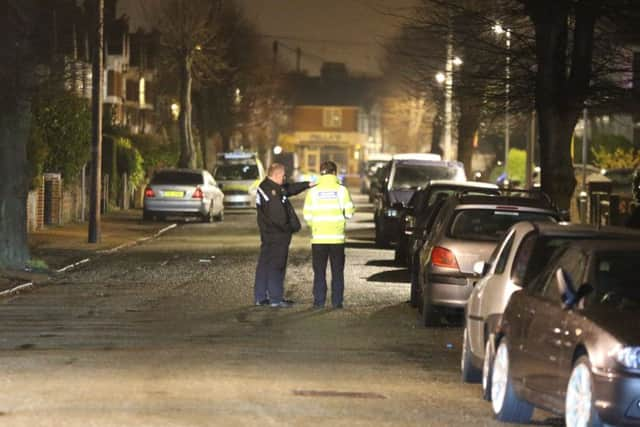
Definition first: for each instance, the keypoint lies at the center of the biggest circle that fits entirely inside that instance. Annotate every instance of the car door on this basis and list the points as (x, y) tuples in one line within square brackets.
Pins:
[(543, 339), (476, 318)]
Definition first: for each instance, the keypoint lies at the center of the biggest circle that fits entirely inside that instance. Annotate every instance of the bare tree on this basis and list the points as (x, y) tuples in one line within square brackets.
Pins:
[(193, 46)]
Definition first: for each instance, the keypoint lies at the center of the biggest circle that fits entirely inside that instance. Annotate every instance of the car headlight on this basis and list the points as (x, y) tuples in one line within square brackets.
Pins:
[(392, 213), (629, 357)]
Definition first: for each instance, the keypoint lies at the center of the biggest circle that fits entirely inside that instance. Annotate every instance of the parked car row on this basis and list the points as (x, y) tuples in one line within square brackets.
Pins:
[(548, 305)]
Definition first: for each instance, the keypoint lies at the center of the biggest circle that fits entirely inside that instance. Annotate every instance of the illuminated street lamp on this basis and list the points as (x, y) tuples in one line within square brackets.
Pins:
[(499, 30)]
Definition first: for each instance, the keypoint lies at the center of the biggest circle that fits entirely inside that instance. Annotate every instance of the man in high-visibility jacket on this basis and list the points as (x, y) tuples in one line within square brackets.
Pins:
[(326, 208)]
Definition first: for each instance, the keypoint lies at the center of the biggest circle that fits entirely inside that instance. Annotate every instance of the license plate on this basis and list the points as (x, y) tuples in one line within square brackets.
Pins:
[(173, 194)]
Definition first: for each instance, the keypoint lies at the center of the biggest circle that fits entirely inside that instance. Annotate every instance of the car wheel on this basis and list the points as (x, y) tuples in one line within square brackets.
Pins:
[(220, 216), (487, 367), (414, 297), (429, 315), (208, 217), (146, 215), (579, 407), (470, 374), (507, 406)]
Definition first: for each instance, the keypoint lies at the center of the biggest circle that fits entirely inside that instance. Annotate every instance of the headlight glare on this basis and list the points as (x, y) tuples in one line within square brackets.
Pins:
[(393, 213)]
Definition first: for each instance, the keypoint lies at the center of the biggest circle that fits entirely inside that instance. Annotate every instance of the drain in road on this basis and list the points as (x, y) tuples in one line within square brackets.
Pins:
[(334, 393)]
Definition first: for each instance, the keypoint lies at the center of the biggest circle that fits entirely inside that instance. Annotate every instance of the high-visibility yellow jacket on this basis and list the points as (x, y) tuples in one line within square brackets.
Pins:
[(326, 208)]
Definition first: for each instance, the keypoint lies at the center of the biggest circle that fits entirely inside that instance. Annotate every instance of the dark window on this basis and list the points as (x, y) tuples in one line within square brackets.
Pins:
[(616, 275), (177, 178), (414, 175), (488, 224), (523, 259), (573, 262), (236, 172), (501, 263)]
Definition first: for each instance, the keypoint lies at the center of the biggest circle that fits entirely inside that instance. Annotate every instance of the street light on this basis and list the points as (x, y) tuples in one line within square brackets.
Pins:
[(499, 30), (447, 79)]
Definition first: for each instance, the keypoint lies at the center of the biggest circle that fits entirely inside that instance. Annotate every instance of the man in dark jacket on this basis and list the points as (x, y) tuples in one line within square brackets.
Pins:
[(277, 222)]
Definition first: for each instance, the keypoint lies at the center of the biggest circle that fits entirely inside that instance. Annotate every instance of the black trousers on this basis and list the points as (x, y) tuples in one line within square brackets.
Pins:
[(321, 253), (272, 266)]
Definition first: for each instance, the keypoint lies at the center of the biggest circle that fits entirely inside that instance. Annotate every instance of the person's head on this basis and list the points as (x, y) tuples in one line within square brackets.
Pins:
[(328, 168), (277, 173)]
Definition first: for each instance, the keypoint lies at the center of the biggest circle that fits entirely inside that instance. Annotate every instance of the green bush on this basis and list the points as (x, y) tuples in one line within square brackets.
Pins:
[(60, 134)]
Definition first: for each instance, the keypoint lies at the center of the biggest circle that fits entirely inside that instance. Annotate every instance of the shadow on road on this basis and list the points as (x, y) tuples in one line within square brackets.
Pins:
[(381, 263), (400, 276)]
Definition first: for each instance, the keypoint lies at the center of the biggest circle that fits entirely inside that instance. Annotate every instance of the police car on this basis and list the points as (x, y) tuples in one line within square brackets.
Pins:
[(238, 174)]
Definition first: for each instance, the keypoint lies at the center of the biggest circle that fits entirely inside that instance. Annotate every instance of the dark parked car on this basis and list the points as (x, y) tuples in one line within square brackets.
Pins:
[(467, 230), (419, 206), (570, 341), (518, 259), (404, 175)]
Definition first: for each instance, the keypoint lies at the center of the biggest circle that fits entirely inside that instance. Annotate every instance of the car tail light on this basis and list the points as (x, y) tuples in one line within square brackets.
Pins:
[(198, 194), (441, 257), (148, 192)]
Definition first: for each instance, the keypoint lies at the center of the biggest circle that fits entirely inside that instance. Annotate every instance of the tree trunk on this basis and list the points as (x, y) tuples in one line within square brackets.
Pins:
[(14, 134), (188, 158), (558, 179), (467, 126)]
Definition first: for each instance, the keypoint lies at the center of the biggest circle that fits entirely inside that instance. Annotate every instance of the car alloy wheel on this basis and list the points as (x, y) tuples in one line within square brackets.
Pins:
[(506, 405), (487, 368), (579, 409), (470, 374)]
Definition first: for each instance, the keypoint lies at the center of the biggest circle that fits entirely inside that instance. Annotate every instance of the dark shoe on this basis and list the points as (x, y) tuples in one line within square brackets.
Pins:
[(338, 307), (263, 302), (288, 301), (281, 304), (318, 306)]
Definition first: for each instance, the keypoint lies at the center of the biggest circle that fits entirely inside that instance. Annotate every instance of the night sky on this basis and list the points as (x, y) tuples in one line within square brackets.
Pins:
[(349, 31)]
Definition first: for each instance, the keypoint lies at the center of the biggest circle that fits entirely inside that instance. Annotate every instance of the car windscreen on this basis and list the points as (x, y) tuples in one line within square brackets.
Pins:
[(413, 175), (236, 172), (489, 224), (176, 178), (616, 278)]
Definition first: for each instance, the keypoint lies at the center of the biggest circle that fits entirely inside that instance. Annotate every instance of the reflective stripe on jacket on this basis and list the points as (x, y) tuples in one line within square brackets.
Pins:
[(326, 208)]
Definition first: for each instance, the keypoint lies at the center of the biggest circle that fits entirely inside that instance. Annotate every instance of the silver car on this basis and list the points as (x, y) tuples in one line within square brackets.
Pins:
[(517, 260), (183, 192), (467, 230)]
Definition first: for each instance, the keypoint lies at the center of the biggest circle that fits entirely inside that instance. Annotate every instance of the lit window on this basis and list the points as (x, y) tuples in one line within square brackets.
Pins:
[(141, 92), (332, 118)]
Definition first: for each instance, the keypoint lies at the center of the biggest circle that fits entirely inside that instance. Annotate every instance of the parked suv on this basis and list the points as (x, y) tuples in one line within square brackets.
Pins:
[(517, 260), (404, 175), (467, 230)]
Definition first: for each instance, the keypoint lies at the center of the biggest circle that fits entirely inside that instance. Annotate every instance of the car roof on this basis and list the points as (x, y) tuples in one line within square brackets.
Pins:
[(566, 229), (489, 200), (181, 170), (417, 156), (606, 245), (461, 184)]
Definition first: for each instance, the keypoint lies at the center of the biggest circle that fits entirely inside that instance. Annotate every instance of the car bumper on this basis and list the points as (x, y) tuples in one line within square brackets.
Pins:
[(177, 207), (239, 201), (617, 397), (449, 290)]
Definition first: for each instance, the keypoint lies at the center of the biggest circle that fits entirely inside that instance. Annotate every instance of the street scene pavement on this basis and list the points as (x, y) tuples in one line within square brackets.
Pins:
[(162, 331)]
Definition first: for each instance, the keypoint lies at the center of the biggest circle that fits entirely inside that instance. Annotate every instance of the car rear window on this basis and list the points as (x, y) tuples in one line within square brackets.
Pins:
[(414, 175), (489, 224), (176, 178), (238, 172)]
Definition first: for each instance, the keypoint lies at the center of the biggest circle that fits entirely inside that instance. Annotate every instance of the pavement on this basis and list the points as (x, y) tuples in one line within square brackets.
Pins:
[(56, 249)]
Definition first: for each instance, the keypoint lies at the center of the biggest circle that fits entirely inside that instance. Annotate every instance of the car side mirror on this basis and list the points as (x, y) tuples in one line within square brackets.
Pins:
[(481, 268)]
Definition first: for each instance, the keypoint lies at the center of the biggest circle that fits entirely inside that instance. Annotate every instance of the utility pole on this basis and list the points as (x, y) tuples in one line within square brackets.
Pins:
[(96, 141), (448, 100)]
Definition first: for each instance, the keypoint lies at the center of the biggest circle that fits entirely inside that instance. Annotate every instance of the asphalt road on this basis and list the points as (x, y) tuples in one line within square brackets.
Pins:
[(165, 334)]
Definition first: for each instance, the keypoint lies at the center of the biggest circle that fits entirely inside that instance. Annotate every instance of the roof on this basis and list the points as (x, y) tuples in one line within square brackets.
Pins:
[(539, 203), (461, 184), (417, 156)]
